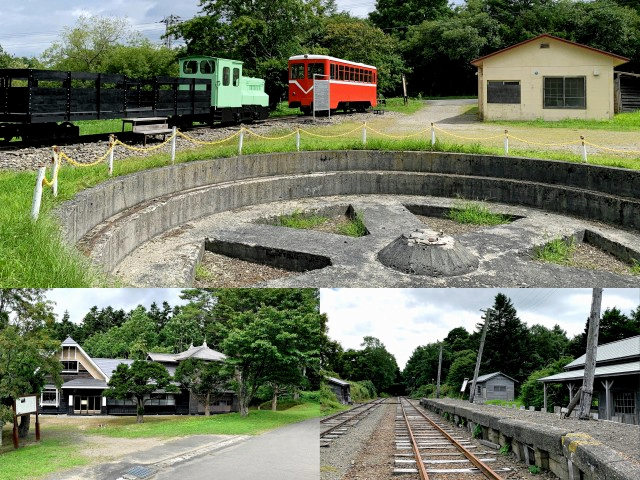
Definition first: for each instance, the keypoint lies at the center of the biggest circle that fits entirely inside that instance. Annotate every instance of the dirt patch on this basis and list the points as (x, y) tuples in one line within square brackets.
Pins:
[(216, 271), (449, 227)]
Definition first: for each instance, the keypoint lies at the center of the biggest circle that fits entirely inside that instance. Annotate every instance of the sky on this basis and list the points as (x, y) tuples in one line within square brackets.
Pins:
[(403, 319), (28, 27), (78, 301)]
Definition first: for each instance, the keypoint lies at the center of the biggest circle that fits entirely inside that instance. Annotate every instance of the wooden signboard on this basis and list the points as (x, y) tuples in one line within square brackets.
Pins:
[(24, 406)]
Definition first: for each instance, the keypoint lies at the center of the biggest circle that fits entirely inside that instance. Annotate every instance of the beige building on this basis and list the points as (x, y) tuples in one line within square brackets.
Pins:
[(549, 78)]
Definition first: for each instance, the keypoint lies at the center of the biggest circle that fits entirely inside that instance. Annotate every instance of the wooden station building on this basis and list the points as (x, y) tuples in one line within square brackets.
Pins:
[(85, 379)]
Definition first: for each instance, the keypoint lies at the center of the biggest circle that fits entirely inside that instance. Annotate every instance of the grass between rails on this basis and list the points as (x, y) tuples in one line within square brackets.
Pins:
[(35, 460), (33, 254)]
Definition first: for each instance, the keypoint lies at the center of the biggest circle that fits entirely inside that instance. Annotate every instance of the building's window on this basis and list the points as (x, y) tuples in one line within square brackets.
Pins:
[(236, 77), (565, 92), (297, 71), (499, 388), (69, 366), (116, 402), (160, 399), (479, 389), (207, 66), (226, 76), (221, 403), (190, 67), (624, 402), (49, 397), (499, 91), (315, 69)]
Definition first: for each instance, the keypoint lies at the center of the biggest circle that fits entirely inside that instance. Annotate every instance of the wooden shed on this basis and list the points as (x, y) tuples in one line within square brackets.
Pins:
[(549, 78), (616, 380), (494, 386), (341, 388)]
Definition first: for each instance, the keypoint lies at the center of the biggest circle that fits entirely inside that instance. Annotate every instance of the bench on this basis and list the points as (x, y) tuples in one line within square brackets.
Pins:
[(148, 126)]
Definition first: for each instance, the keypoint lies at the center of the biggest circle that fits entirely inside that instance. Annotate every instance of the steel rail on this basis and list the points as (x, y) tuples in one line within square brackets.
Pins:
[(422, 471), (487, 471), (371, 404)]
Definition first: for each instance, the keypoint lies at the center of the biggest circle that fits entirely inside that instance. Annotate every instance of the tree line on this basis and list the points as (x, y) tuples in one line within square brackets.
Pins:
[(271, 338), (523, 353), (430, 41)]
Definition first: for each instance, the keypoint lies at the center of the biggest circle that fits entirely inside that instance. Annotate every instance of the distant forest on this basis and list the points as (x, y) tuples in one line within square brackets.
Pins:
[(429, 41), (511, 347)]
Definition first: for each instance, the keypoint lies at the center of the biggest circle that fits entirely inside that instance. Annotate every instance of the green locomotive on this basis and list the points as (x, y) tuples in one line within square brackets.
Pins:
[(42, 104)]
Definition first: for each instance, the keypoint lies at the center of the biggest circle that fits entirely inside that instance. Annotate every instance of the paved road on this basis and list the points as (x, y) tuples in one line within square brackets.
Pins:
[(289, 453)]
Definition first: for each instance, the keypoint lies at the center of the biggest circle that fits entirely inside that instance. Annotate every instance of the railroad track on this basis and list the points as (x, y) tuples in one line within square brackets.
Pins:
[(336, 425), (426, 449)]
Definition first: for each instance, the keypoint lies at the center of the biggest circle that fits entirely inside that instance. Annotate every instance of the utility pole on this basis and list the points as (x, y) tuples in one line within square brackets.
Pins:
[(439, 371), (169, 22), (592, 351), (487, 317)]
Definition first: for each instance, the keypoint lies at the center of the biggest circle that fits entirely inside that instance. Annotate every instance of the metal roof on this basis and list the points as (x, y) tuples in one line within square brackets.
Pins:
[(606, 371), (85, 383), (109, 365), (68, 342), (621, 349), (337, 381), (488, 376)]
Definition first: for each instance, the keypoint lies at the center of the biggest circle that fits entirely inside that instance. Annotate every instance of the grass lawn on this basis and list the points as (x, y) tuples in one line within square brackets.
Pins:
[(622, 122), (60, 445)]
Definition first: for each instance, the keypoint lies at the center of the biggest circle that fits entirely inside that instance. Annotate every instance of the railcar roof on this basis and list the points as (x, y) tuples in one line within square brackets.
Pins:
[(327, 57)]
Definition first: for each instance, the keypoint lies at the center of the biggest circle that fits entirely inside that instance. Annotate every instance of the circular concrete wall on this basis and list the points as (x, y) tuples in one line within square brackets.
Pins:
[(114, 218)]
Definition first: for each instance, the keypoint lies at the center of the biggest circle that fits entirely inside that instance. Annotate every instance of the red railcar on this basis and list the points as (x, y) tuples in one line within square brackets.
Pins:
[(351, 85)]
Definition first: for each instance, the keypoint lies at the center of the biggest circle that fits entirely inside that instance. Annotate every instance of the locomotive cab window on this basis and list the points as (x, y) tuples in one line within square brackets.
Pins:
[(236, 77), (190, 67), (226, 76), (297, 71), (207, 66), (315, 69)]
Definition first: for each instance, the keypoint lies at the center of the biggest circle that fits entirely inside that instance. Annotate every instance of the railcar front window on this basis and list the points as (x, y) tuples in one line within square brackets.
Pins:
[(315, 69), (333, 71), (207, 66), (190, 67), (226, 76), (297, 71), (236, 77)]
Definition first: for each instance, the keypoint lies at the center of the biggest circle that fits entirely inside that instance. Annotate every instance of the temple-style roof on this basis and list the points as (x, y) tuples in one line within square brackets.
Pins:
[(203, 352)]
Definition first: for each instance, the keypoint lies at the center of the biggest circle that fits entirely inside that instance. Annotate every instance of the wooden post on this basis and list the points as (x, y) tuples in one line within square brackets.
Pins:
[(607, 384), (54, 172), (15, 426), (173, 146), (37, 426), (573, 403), (590, 360), (506, 142), (439, 372), (544, 387), (111, 142), (37, 194), (479, 358)]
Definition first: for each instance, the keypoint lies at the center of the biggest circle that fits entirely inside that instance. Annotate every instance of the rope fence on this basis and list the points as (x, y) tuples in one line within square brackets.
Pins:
[(58, 156)]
